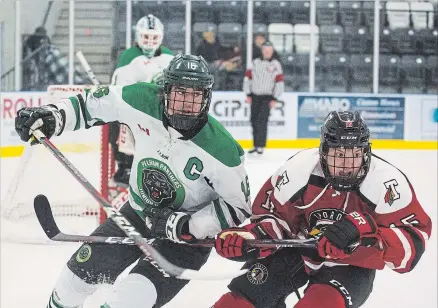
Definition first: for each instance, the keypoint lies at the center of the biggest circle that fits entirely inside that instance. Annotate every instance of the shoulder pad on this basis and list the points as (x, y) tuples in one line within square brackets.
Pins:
[(386, 187), (294, 174)]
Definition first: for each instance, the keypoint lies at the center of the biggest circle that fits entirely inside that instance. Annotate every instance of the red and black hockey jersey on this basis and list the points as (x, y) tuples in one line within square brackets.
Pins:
[(297, 197)]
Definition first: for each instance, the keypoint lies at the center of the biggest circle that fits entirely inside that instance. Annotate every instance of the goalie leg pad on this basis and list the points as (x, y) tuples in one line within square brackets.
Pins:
[(70, 290), (132, 292)]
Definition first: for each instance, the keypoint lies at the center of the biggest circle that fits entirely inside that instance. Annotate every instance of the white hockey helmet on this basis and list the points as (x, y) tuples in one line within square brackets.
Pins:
[(149, 33)]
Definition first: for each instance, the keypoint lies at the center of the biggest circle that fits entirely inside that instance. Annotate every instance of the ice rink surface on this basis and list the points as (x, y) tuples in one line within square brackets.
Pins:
[(29, 271)]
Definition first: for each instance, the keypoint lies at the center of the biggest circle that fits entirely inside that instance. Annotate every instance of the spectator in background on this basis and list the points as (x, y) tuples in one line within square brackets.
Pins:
[(210, 49), (259, 40), (230, 65), (36, 39), (263, 85)]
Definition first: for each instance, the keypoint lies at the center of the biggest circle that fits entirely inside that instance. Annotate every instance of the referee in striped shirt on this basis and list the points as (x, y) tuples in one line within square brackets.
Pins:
[(263, 85)]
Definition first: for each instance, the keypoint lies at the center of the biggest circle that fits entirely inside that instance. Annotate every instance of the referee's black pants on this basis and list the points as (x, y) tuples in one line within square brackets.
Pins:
[(259, 118)]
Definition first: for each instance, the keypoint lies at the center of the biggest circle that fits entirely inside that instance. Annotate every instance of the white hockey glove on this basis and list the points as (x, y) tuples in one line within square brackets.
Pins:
[(48, 119), (170, 224)]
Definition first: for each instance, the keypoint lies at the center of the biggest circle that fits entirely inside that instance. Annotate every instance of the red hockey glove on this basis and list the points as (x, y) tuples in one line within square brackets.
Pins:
[(341, 238), (232, 243)]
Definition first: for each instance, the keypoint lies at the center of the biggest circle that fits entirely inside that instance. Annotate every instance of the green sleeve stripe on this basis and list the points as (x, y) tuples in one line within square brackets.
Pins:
[(75, 104), (136, 197), (141, 214), (220, 214), (138, 201), (53, 301)]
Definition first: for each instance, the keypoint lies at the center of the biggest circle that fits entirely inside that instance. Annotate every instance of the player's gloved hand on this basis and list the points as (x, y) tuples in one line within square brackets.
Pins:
[(48, 119), (167, 223), (232, 243), (341, 238)]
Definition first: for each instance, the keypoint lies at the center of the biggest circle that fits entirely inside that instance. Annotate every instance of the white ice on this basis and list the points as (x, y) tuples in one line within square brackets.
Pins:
[(28, 272)]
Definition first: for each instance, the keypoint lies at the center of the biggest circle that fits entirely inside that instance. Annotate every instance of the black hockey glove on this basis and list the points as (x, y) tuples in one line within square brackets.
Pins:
[(48, 119), (170, 224)]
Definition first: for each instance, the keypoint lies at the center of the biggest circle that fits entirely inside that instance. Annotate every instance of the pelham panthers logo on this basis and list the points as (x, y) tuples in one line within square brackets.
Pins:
[(159, 188)]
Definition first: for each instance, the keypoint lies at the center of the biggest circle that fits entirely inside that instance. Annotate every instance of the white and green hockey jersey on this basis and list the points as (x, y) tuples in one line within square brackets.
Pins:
[(204, 175), (134, 66)]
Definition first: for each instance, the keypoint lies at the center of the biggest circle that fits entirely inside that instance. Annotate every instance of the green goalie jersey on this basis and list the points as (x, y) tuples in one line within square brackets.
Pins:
[(203, 175)]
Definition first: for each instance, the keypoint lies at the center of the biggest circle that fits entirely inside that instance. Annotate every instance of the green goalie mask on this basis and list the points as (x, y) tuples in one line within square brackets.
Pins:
[(187, 85)]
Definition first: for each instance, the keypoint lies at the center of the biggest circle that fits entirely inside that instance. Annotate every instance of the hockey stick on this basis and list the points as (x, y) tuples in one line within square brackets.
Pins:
[(48, 223), (87, 68), (127, 227)]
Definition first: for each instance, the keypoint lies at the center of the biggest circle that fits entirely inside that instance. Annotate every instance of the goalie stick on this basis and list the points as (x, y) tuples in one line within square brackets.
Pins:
[(127, 227), (48, 223)]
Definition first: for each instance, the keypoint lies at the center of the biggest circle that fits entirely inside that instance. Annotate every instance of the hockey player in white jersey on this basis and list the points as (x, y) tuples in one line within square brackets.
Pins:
[(188, 181), (143, 62)]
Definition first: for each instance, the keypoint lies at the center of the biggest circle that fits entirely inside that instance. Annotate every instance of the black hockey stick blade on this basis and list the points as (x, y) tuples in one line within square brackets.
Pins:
[(44, 214)]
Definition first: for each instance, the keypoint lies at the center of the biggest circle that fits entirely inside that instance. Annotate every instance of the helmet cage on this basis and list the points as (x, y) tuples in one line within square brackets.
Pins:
[(149, 34), (190, 113), (346, 166)]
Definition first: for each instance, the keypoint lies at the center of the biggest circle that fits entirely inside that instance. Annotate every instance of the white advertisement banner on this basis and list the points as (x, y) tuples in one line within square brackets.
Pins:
[(421, 117), (231, 110)]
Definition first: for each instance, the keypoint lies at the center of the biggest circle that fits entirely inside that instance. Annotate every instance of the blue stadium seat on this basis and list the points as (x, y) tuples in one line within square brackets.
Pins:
[(386, 41), (414, 74), (230, 34), (357, 39), (368, 14), (350, 13), (336, 72), (390, 74), (432, 76), (404, 41), (203, 11), (331, 38), (259, 12), (300, 12), (327, 12), (230, 11), (301, 68), (176, 11), (427, 41), (278, 11), (290, 80), (361, 73), (174, 36), (143, 8)]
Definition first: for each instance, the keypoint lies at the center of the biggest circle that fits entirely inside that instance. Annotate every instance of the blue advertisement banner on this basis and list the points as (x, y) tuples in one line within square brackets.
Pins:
[(384, 115)]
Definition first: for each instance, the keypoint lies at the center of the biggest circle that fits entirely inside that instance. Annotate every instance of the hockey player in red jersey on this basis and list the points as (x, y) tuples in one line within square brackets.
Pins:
[(362, 209)]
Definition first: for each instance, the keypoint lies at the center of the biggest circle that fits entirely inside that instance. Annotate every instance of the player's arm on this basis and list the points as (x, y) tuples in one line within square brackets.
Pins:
[(234, 203), (125, 73), (398, 227), (404, 227), (98, 106), (267, 221)]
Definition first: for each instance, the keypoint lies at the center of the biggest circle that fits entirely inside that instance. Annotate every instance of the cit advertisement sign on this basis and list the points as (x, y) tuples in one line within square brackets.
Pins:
[(384, 115), (231, 110)]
